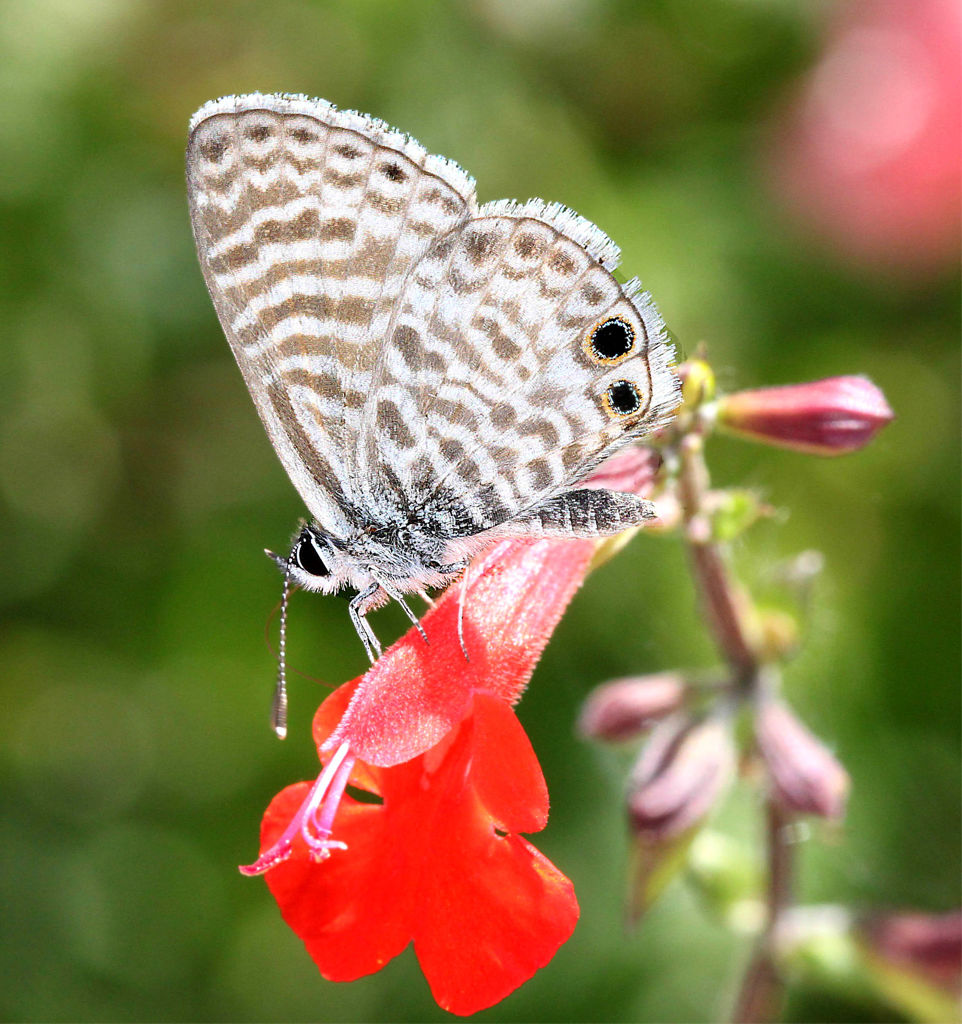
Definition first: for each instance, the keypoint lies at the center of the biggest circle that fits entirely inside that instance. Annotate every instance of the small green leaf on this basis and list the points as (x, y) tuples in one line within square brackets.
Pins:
[(734, 512)]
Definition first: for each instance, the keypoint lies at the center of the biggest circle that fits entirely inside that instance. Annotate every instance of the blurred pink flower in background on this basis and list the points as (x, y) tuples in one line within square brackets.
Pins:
[(683, 769), (869, 150), (623, 708)]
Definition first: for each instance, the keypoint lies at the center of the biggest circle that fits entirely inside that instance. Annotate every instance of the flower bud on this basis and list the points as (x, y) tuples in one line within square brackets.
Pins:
[(929, 945), (910, 963), (697, 382), (826, 417), (778, 634), (621, 709), (806, 778), (683, 769)]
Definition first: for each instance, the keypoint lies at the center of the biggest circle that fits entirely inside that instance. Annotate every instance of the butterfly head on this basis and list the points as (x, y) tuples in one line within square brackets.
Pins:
[(315, 563)]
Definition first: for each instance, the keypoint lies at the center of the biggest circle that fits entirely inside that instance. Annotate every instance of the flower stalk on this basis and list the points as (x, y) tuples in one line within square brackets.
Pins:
[(724, 602), (729, 614), (686, 761)]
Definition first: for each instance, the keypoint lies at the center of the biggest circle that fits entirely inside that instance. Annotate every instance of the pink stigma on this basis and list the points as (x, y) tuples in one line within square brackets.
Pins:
[(314, 818)]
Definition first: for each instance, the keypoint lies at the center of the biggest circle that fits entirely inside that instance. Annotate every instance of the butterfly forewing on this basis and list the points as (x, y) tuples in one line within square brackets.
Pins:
[(308, 221)]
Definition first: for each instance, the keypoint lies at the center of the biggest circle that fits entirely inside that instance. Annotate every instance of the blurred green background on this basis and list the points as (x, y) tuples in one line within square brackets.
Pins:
[(137, 490)]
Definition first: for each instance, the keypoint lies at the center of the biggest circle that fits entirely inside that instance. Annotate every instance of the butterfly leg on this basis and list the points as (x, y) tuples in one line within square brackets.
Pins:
[(458, 568), (371, 643), (399, 597), (461, 599)]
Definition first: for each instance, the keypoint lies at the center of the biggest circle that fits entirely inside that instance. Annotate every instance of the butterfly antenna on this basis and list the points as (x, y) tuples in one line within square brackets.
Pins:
[(279, 703)]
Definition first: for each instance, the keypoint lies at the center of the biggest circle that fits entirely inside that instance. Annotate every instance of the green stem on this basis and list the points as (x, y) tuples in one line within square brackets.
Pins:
[(762, 992), (728, 610)]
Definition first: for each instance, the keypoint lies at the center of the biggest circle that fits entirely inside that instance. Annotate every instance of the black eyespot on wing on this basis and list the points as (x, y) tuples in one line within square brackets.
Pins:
[(611, 339), (307, 557), (622, 398)]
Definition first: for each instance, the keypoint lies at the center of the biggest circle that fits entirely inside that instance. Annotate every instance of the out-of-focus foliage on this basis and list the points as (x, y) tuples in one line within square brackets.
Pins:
[(137, 489)]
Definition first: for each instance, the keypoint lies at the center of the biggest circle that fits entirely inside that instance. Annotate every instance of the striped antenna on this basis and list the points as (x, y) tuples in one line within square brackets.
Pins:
[(279, 703)]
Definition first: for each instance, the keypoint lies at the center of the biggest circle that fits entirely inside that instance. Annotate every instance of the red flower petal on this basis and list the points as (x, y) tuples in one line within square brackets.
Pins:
[(417, 692), (432, 863), (515, 908), (506, 772), (352, 911)]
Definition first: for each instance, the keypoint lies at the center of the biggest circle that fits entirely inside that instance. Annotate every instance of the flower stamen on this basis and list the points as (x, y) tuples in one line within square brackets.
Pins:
[(314, 818)]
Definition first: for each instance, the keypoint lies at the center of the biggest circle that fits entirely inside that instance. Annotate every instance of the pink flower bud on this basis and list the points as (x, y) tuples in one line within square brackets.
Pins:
[(682, 770), (805, 776), (621, 709), (928, 944), (825, 417)]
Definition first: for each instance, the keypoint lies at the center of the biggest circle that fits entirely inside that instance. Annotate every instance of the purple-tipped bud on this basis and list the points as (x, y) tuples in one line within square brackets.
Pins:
[(805, 776), (927, 944), (682, 770), (825, 417), (623, 708)]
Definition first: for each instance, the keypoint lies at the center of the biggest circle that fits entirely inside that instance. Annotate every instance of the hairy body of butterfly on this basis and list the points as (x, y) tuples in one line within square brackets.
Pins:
[(433, 374)]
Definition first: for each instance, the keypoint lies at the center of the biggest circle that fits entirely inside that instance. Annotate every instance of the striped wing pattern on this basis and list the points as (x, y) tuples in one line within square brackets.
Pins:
[(308, 220), (421, 364), (489, 398)]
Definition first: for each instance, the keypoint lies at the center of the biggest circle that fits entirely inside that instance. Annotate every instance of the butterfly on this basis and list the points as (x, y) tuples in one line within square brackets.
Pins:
[(434, 374)]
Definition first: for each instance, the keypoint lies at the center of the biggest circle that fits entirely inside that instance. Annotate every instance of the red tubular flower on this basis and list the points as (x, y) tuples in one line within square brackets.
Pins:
[(826, 417), (438, 860)]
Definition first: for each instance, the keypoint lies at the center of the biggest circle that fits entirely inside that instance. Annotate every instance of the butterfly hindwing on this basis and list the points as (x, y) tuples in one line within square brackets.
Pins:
[(513, 364)]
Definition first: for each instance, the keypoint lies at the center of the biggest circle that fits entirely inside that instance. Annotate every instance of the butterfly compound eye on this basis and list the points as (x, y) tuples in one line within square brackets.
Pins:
[(308, 558)]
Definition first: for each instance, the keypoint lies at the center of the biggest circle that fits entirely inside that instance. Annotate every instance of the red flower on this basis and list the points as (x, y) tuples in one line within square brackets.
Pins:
[(438, 861)]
